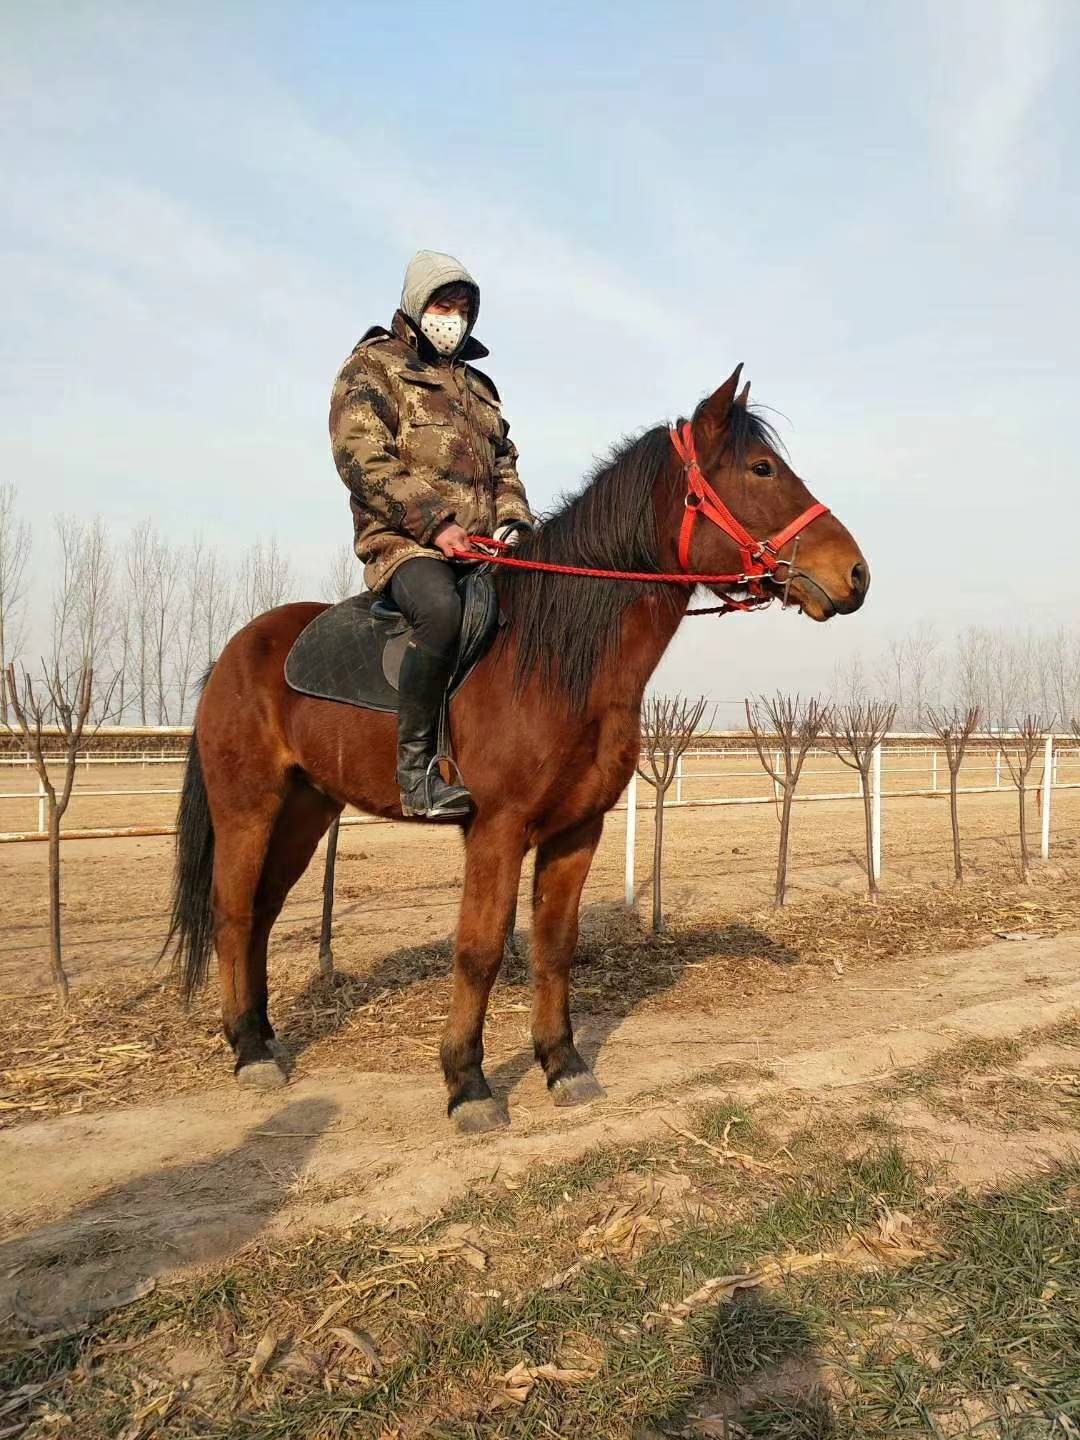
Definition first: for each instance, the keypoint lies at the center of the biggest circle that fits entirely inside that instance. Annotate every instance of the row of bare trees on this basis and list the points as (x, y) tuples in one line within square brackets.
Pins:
[(130, 627), (146, 614), (785, 729), (1001, 673)]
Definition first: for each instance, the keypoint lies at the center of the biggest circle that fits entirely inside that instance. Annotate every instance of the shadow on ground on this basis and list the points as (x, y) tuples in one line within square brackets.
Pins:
[(761, 1377), (73, 1269), (617, 967)]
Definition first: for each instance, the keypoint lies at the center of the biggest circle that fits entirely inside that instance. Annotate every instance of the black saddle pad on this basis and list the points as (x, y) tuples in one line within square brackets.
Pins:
[(352, 652)]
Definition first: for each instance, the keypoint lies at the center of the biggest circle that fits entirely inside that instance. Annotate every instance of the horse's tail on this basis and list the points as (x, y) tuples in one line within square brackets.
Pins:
[(191, 925)]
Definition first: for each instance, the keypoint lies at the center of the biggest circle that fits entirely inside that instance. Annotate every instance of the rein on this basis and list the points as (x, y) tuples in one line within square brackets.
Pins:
[(760, 558)]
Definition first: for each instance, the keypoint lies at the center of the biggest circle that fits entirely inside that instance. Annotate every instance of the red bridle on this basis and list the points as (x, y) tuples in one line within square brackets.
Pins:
[(760, 558)]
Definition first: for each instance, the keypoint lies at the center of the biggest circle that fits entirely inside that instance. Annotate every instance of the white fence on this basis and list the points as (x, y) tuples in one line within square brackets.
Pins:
[(894, 765), (1042, 780)]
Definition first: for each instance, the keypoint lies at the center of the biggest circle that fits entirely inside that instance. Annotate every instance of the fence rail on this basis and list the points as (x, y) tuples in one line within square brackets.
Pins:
[(892, 762)]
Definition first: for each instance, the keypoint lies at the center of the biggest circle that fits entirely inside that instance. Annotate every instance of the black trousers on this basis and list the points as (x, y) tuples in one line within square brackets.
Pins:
[(425, 591)]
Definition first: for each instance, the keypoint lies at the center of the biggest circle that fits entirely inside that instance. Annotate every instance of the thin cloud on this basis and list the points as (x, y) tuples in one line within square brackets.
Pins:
[(991, 62)]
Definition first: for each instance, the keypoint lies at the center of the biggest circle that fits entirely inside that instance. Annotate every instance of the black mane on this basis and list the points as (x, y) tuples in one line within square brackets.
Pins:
[(565, 625)]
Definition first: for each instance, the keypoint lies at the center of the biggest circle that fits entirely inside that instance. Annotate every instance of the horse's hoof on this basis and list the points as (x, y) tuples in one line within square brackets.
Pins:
[(577, 1089), (477, 1117), (261, 1075)]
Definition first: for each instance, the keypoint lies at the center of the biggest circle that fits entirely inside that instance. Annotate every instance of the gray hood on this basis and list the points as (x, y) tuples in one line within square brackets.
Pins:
[(429, 271)]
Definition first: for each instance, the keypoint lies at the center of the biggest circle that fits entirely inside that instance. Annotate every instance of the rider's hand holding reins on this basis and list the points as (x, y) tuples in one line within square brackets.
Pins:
[(451, 539)]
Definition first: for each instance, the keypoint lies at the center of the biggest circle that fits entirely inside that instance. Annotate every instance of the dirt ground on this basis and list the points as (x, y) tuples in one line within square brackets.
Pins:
[(95, 1202), (130, 1153), (398, 885)]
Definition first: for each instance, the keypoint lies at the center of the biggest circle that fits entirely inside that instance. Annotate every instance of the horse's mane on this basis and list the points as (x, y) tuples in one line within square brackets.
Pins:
[(566, 625)]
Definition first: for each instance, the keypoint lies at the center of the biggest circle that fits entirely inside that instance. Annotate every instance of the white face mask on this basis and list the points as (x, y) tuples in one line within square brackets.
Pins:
[(445, 332)]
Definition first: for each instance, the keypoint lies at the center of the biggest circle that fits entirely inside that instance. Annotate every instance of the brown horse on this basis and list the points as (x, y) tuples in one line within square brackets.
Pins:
[(545, 732)]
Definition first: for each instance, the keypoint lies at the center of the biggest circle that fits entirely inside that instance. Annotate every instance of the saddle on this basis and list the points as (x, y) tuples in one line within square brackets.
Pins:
[(352, 652)]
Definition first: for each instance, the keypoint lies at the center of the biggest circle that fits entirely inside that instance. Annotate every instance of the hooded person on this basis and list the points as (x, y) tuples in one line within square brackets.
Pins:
[(420, 441)]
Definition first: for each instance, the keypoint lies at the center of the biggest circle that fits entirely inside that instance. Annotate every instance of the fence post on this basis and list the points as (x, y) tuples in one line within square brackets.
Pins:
[(41, 797), (875, 810), (933, 770), (997, 771), (777, 757), (631, 838), (1047, 792)]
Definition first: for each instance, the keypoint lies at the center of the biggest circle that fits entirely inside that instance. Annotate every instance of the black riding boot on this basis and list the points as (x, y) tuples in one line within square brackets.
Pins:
[(422, 685)]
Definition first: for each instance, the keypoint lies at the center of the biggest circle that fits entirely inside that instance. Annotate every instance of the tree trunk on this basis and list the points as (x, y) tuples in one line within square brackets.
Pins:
[(868, 826), (56, 961), (658, 857), (510, 943), (1025, 863), (954, 815), (782, 857), (326, 951)]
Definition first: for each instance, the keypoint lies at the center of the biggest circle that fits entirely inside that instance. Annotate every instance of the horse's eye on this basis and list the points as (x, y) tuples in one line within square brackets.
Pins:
[(762, 468)]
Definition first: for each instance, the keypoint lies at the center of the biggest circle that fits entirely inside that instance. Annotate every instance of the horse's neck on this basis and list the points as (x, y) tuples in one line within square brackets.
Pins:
[(647, 629)]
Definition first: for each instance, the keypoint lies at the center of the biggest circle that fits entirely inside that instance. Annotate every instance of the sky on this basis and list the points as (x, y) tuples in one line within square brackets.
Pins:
[(876, 208)]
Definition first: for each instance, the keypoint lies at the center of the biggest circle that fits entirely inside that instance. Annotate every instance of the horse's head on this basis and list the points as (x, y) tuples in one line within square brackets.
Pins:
[(739, 459)]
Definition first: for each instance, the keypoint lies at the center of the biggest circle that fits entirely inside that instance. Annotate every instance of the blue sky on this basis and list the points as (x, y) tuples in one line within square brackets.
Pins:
[(875, 207)]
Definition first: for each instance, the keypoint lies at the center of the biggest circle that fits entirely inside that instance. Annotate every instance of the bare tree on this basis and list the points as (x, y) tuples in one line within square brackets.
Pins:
[(70, 698), (343, 577), (265, 579), (139, 553), (786, 727), (850, 681), (326, 947), (1059, 673), (907, 669), (217, 606), (971, 686), (855, 732), (83, 609), (668, 724), (1019, 749), (191, 565), (14, 554), (954, 728), (164, 592)]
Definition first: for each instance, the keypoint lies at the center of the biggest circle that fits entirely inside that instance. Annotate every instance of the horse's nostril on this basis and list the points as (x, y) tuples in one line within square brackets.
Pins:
[(860, 578)]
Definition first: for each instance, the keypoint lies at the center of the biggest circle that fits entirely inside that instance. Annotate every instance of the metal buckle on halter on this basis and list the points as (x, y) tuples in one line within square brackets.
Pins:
[(692, 501), (790, 563)]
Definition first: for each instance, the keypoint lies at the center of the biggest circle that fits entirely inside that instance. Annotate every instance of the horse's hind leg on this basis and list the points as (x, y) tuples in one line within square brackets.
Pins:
[(242, 840), (493, 856), (562, 864), (301, 823)]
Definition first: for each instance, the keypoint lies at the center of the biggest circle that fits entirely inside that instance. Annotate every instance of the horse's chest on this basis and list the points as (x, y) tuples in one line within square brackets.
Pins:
[(594, 772)]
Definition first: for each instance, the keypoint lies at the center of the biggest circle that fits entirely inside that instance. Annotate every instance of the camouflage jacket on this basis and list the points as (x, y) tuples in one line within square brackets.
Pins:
[(419, 442)]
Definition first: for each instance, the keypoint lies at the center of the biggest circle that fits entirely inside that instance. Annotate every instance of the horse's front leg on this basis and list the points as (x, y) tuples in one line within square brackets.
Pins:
[(562, 864), (493, 855)]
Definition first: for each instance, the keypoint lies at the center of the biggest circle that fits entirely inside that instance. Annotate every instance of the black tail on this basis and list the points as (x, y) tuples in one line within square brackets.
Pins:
[(191, 927)]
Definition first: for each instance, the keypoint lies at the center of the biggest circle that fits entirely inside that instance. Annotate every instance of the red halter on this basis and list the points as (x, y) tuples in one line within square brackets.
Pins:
[(759, 557)]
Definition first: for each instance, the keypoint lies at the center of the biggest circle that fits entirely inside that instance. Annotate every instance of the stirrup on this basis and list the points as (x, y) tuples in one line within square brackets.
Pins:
[(456, 807)]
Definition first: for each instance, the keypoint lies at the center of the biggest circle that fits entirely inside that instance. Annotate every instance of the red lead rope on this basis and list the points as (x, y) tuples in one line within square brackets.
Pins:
[(759, 558)]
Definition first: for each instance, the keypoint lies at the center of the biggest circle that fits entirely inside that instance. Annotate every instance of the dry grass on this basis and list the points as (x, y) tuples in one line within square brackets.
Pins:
[(115, 1046), (646, 1291)]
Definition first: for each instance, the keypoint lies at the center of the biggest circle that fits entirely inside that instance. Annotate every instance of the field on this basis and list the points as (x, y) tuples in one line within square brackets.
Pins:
[(832, 1191)]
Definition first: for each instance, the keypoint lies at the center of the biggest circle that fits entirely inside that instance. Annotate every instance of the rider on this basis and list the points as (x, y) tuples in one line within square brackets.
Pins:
[(420, 441)]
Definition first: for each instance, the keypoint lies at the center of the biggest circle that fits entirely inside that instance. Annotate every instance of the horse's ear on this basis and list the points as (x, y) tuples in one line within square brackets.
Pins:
[(743, 396), (713, 414)]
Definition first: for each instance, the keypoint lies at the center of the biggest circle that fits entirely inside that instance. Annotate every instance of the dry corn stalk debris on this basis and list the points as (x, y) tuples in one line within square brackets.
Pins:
[(892, 1241), (515, 1386)]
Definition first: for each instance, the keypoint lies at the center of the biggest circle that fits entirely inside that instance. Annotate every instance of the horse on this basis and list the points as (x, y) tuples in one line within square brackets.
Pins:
[(545, 732)]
